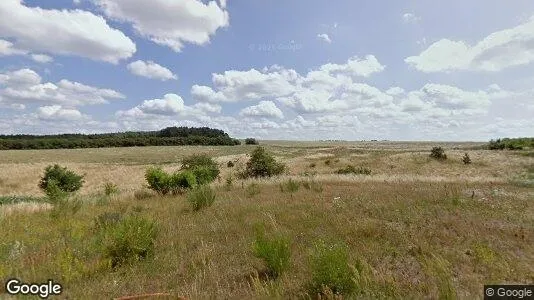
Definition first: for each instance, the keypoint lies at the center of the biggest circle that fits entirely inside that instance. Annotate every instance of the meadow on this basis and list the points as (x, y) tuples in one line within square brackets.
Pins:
[(415, 227)]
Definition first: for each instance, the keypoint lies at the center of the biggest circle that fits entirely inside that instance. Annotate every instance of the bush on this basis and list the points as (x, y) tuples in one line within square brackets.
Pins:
[(201, 197), (466, 159), (180, 181), (289, 186), (128, 240), (110, 188), (352, 170), (330, 269), (251, 141), (158, 180), (230, 164), (204, 167), (65, 180), (438, 153), (263, 164), (275, 251)]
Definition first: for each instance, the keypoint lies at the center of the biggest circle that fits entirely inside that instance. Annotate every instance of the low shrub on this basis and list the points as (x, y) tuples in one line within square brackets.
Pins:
[(312, 165), (63, 179), (127, 240), (331, 270), (263, 164), (438, 153), (230, 164), (275, 251), (328, 162), (466, 159), (204, 167), (201, 197), (158, 180), (353, 170), (110, 189), (181, 181)]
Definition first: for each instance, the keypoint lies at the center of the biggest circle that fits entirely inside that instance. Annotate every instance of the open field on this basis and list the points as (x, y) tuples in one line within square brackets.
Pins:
[(415, 227)]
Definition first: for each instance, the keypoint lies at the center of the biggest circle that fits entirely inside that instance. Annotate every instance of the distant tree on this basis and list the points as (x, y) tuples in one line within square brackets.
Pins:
[(466, 159), (251, 141), (263, 164), (438, 153)]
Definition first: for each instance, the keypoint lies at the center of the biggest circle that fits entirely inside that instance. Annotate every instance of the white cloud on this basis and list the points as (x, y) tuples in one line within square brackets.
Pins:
[(356, 67), (170, 23), (56, 112), (25, 86), (265, 109), (324, 37), (7, 48), (41, 58), (65, 32), (410, 18), (500, 50), (151, 70)]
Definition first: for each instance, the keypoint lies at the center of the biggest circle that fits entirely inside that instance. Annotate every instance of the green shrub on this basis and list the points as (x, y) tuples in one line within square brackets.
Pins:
[(252, 190), (466, 159), (290, 186), (127, 240), (331, 270), (180, 181), (201, 197), (55, 194), (352, 170), (263, 164), (110, 188), (274, 251), (230, 164), (158, 180), (63, 179), (251, 141), (204, 167), (438, 153)]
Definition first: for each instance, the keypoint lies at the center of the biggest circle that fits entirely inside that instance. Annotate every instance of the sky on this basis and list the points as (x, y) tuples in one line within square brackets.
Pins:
[(298, 70)]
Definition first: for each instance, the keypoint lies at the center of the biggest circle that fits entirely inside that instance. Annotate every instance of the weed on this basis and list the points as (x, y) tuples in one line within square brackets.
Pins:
[(201, 197), (274, 251)]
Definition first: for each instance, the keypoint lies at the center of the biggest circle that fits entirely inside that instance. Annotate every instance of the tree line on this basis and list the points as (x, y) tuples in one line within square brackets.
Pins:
[(170, 136)]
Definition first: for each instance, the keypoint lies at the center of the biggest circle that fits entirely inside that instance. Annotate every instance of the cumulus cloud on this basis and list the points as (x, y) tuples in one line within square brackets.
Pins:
[(169, 23), (356, 66), (41, 58), (74, 32), (498, 51), (7, 48), (150, 70), (25, 86), (267, 109), (56, 112), (324, 37), (169, 106)]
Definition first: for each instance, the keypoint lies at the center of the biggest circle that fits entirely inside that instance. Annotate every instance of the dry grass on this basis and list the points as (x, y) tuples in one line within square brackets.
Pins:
[(420, 228)]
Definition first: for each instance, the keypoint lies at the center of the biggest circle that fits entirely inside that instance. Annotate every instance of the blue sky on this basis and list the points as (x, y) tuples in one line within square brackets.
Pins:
[(398, 70)]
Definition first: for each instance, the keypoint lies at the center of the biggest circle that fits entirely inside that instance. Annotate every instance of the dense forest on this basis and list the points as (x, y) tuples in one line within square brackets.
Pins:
[(170, 136)]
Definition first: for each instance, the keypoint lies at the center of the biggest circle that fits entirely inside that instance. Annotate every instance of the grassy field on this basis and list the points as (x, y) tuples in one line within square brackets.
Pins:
[(414, 228)]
